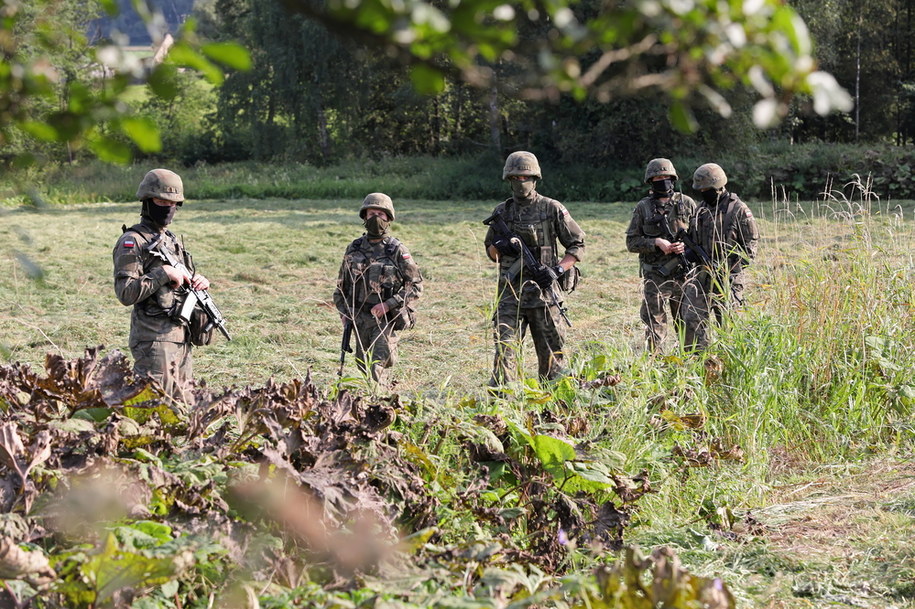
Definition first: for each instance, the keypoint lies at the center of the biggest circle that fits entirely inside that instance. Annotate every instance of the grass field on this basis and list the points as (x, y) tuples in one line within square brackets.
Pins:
[(815, 387)]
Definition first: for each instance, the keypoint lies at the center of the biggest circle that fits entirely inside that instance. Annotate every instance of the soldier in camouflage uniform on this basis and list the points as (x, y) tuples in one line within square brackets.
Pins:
[(726, 231), (377, 288), (655, 221), (159, 341), (524, 297)]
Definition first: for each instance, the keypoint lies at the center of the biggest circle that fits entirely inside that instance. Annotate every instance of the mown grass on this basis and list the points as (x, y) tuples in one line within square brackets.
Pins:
[(815, 371)]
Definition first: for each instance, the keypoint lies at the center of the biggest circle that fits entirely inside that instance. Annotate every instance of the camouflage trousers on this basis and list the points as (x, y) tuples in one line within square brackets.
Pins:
[(167, 363), (376, 345), (510, 324), (658, 294), (703, 297)]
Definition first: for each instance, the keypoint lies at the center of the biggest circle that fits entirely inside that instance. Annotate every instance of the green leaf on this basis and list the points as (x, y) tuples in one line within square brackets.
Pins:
[(162, 81), (553, 453), (229, 54), (111, 150), (110, 6), (427, 80), (681, 117), (41, 130), (183, 55), (143, 131)]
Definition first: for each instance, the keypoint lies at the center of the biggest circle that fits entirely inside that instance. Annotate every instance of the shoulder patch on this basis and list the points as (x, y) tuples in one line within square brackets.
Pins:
[(129, 243), (562, 210), (406, 255)]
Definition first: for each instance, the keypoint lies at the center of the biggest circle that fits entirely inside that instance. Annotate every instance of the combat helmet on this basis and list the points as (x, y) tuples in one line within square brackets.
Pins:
[(521, 163), (660, 167), (709, 175), (161, 184), (377, 200)]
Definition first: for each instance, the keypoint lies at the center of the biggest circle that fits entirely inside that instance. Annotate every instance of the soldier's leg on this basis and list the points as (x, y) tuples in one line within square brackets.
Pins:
[(548, 333), (506, 335), (169, 364), (373, 348), (652, 311), (383, 352), (675, 300), (695, 310)]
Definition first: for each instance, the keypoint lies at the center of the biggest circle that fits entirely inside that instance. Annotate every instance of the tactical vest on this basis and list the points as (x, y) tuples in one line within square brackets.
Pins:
[(366, 272)]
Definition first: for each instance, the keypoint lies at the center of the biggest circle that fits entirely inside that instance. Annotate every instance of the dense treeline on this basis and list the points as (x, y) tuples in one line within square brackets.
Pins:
[(316, 96)]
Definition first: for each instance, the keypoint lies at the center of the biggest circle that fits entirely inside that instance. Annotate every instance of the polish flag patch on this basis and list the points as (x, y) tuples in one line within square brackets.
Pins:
[(406, 256), (129, 243)]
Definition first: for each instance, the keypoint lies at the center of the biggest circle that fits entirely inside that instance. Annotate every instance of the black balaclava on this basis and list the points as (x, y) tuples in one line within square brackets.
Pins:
[(712, 196), (376, 227), (161, 215), (523, 191), (662, 188)]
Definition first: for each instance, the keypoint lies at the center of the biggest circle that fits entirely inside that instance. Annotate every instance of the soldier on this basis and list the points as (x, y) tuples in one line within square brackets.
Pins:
[(656, 220), (726, 236), (528, 298), (159, 341), (377, 287)]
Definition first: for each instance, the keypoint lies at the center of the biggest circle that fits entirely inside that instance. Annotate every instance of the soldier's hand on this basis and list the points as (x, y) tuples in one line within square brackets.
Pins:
[(199, 282), (379, 310), (506, 247), (544, 277), (669, 248), (176, 277)]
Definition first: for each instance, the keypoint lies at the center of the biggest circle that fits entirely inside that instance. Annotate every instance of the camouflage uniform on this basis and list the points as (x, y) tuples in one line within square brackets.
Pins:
[(373, 272), (663, 275), (727, 232), (522, 305), (159, 343)]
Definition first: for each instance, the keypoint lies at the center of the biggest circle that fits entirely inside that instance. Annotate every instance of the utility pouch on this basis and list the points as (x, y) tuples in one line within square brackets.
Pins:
[(569, 280), (191, 314), (200, 327), (403, 318)]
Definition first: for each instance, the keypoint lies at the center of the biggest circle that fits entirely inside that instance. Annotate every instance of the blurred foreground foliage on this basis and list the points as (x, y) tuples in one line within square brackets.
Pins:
[(110, 496)]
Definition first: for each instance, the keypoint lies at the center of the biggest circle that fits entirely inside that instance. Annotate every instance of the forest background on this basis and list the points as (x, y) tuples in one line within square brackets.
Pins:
[(313, 97)]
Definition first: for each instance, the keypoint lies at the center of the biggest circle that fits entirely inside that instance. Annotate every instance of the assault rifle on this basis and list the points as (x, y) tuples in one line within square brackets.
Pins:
[(194, 297), (694, 252), (344, 344), (534, 266)]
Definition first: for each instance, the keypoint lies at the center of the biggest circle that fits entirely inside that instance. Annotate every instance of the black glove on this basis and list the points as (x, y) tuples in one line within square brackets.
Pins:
[(506, 247), (545, 276)]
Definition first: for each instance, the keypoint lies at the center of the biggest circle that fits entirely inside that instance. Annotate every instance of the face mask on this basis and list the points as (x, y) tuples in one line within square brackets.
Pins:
[(663, 187), (377, 226), (710, 197), (523, 190), (160, 214)]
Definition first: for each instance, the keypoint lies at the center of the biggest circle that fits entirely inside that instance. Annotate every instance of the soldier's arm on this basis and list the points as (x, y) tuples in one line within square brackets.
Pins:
[(131, 284), (570, 236), (636, 242), (748, 233), (412, 286), (344, 288)]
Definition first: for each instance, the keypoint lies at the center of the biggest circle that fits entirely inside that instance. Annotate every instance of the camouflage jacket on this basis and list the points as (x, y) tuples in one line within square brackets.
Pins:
[(540, 224), (727, 232), (647, 224), (140, 280), (372, 273)]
